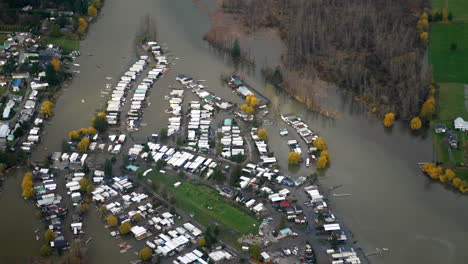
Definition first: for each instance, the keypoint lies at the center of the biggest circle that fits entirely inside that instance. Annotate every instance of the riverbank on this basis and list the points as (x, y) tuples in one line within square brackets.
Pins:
[(447, 39)]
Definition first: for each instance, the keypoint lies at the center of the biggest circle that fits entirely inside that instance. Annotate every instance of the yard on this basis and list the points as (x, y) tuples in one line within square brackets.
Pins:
[(459, 8), (207, 205), (460, 155), (3, 37), (452, 101), (67, 44), (462, 173), (449, 64)]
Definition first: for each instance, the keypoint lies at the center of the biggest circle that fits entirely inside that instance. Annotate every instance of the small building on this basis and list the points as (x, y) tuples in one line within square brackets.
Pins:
[(460, 124), (16, 85)]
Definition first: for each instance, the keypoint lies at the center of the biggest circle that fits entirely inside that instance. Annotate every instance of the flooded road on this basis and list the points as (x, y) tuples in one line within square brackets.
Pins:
[(391, 204)]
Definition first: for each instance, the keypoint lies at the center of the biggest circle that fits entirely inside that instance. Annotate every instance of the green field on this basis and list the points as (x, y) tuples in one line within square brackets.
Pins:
[(3, 37), (449, 65), (459, 8), (67, 44), (207, 205), (462, 173), (452, 101)]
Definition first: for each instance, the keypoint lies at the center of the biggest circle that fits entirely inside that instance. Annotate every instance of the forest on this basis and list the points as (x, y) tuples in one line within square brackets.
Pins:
[(369, 47)]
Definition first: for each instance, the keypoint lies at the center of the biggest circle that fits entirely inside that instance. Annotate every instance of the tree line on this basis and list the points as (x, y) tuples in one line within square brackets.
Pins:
[(371, 47)]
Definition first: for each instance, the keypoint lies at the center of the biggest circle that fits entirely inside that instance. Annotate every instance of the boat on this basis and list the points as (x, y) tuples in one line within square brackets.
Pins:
[(334, 187), (108, 78)]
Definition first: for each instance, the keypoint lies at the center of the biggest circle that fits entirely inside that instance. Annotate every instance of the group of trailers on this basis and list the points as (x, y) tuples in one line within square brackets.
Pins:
[(198, 128), (177, 159), (119, 93)]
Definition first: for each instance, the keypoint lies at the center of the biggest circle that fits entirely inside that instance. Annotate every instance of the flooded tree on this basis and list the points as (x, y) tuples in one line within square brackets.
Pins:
[(389, 119), (371, 48), (236, 50)]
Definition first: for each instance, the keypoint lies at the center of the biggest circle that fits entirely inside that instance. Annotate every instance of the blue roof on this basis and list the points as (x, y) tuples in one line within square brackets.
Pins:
[(285, 231), (227, 122), (16, 82)]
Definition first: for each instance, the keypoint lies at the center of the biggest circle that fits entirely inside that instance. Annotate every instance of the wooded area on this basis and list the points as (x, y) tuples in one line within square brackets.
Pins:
[(370, 47)]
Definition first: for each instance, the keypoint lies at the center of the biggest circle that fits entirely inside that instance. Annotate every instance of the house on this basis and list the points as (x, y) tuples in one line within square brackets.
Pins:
[(460, 124), (16, 85), (440, 128)]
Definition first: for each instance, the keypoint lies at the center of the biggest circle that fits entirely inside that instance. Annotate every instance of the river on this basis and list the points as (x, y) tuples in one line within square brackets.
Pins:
[(391, 204)]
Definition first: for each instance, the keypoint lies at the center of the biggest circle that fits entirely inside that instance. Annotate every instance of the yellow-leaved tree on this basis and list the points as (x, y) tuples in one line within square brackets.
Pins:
[(83, 144), (415, 123), (320, 143), (323, 160), (262, 134), (146, 253), (97, 3), (294, 158), (49, 235), (47, 107), (247, 108), (74, 135), (252, 100), (389, 119), (449, 174), (92, 11), (125, 228), (56, 64), (27, 186), (82, 26), (424, 36), (112, 220), (423, 25), (428, 108)]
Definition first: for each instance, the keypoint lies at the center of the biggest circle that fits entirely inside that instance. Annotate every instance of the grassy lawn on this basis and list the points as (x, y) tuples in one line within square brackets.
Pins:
[(462, 173), (452, 101), (449, 65), (459, 8), (3, 37), (197, 198), (442, 148), (3, 90), (67, 44)]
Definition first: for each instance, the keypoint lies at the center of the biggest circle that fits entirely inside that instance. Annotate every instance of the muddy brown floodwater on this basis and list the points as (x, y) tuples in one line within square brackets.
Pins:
[(391, 204)]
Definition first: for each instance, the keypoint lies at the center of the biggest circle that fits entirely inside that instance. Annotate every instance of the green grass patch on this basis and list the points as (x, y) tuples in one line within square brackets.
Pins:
[(452, 101), (207, 205), (67, 45), (462, 173), (443, 150), (3, 90), (3, 37), (449, 65), (459, 8)]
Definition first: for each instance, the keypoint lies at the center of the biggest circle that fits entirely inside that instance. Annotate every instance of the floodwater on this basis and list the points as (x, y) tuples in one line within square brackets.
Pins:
[(391, 204)]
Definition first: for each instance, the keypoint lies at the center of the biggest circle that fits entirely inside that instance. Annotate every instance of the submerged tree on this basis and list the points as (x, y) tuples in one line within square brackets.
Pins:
[(236, 50)]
